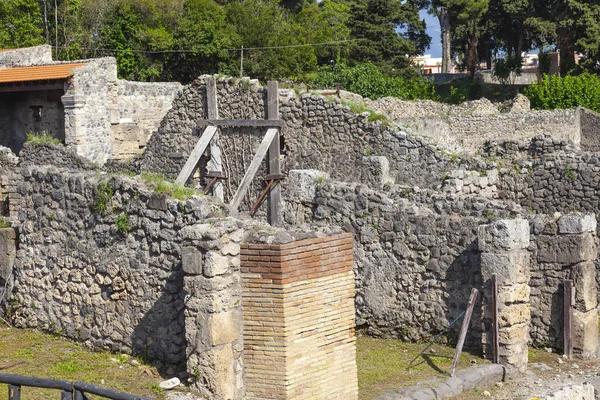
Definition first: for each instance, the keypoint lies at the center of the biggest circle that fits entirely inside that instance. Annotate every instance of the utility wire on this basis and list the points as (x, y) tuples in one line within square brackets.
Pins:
[(233, 49)]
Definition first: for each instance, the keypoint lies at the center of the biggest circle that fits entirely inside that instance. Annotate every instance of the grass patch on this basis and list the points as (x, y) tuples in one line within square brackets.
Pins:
[(382, 365), (164, 186), (46, 356), (42, 137), (104, 193), (5, 224)]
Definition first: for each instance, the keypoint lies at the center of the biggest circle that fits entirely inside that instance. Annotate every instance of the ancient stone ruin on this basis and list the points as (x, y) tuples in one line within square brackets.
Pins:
[(384, 226)]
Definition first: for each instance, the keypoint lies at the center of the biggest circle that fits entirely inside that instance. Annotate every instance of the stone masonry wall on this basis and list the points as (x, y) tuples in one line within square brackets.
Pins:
[(416, 258), (37, 55), (140, 109), (88, 102), (590, 130), (318, 134), (100, 268), (298, 299)]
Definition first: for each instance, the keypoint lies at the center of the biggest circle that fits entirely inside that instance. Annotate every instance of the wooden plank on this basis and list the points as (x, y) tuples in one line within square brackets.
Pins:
[(14, 392), (463, 330), (252, 169), (495, 334), (249, 123), (194, 157), (274, 203), (215, 163), (569, 301)]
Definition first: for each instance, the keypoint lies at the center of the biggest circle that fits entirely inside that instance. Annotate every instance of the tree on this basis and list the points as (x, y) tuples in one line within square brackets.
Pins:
[(468, 15), (386, 31), (20, 24)]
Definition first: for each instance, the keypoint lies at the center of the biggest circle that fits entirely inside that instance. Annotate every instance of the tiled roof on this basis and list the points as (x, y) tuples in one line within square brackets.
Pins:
[(37, 73)]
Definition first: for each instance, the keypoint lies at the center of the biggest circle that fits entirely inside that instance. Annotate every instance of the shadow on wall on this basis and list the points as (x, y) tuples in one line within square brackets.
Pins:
[(464, 274), (160, 334)]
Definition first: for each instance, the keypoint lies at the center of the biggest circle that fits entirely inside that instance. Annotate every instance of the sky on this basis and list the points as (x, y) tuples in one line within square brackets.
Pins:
[(433, 30)]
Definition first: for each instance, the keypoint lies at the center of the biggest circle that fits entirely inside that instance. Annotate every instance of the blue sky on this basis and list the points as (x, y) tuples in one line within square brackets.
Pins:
[(433, 30)]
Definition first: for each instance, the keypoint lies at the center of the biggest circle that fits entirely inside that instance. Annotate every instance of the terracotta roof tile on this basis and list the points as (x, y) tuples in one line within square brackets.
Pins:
[(37, 73)]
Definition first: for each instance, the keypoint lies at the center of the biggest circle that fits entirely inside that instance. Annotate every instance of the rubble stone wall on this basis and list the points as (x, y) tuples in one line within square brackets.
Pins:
[(25, 57)]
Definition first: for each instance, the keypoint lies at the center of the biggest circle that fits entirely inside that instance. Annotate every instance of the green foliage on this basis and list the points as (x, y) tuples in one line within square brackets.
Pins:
[(42, 137), (568, 92), (104, 193), (456, 96), (570, 174), (20, 24), (164, 186), (368, 81), (5, 224), (122, 223), (508, 68)]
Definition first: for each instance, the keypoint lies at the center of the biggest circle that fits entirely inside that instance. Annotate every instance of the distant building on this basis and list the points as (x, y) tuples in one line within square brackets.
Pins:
[(430, 65)]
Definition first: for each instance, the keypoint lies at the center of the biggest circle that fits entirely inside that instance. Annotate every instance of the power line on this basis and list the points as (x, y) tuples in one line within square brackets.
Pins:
[(233, 49)]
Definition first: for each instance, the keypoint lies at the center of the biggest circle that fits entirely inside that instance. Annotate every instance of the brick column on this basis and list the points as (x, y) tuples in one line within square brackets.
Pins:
[(504, 252), (298, 305), (577, 241)]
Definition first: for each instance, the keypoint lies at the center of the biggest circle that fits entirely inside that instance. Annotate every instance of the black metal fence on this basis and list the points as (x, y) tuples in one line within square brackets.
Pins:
[(70, 390)]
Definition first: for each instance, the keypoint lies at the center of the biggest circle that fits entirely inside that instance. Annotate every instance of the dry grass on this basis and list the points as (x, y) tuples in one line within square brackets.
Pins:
[(49, 356), (383, 363)]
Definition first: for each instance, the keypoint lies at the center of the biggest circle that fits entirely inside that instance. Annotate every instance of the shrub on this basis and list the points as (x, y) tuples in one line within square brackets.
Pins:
[(368, 81), (568, 92), (104, 193), (42, 137)]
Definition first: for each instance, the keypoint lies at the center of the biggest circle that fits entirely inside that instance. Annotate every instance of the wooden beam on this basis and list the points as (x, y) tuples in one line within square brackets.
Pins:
[(194, 157), (252, 169), (250, 123), (13, 88), (274, 203), (569, 301), (463, 330), (495, 334), (215, 163)]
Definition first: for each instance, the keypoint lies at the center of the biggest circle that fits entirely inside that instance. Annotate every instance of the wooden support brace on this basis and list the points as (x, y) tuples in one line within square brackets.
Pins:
[(215, 163), (252, 169), (495, 333), (463, 330), (14, 392), (194, 157), (242, 123)]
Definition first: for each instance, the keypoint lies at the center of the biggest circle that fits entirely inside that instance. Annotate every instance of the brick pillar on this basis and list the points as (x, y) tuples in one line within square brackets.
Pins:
[(298, 305), (577, 239), (504, 252)]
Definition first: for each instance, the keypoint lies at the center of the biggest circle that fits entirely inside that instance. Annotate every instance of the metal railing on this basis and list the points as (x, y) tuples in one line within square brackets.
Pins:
[(70, 390)]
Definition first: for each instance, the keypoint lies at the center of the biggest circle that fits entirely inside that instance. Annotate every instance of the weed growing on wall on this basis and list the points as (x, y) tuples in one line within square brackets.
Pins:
[(122, 223), (162, 185), (42, 137), (104, 193)]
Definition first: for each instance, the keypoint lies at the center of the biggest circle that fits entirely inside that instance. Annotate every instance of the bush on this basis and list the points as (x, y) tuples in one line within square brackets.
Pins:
[(568, 92), (42, 137), (368, 81)]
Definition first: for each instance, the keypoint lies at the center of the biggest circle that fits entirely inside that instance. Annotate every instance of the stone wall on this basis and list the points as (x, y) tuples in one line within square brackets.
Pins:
[(24, 57), (141, 108), (416, 257), (99, 261), (590, 130), (8, 162), (88, 102), (318, 134)]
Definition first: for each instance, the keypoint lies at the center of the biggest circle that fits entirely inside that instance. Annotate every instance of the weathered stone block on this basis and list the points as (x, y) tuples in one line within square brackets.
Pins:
[(585, 334), (215, 264), (577, 223), (566, 249), (218, 371), (510, 268), (375, 171), (191, 260), (302, 183), (515, 355), (518, 293), (8, 251), (518, 333), (514, 315), (584, 282), (200, 232), (504, 235), (225, 327)]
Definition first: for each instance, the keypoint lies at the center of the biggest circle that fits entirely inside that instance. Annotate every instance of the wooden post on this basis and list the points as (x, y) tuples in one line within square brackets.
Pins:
[(463, 330), (495, 335), (215, 163), (14, 392), (569, 301), (274, 165)]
